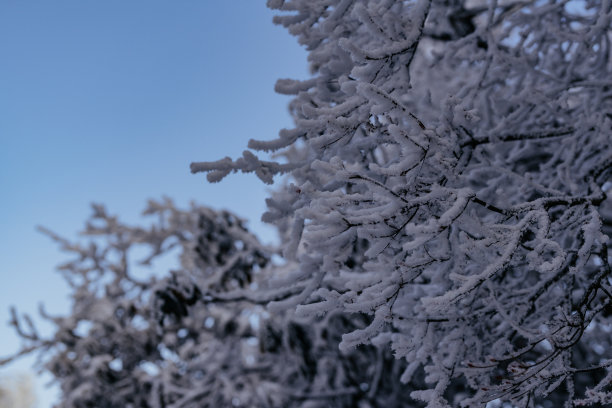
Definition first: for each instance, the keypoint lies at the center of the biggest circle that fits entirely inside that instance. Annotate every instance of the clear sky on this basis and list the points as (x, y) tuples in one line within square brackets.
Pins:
[(109, 101)]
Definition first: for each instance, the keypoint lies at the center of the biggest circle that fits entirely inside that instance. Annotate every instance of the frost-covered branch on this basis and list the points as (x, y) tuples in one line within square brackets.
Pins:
[(449, 184)]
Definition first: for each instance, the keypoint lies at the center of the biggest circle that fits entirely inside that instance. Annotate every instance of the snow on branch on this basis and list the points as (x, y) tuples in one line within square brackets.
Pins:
[(453, 191)]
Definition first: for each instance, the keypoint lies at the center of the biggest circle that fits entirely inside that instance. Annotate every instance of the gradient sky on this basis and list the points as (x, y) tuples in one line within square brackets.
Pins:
[(109, 101)]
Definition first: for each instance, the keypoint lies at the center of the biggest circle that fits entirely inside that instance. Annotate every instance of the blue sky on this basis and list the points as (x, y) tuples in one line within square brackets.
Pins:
[(109, 101)]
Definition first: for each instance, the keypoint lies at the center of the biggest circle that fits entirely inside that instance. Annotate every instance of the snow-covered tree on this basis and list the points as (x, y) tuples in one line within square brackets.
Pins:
[(196, 335), (443, 226), (447, 176)]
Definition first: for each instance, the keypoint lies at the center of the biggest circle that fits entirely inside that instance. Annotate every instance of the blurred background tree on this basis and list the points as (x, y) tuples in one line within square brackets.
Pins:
[(17, 391)]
